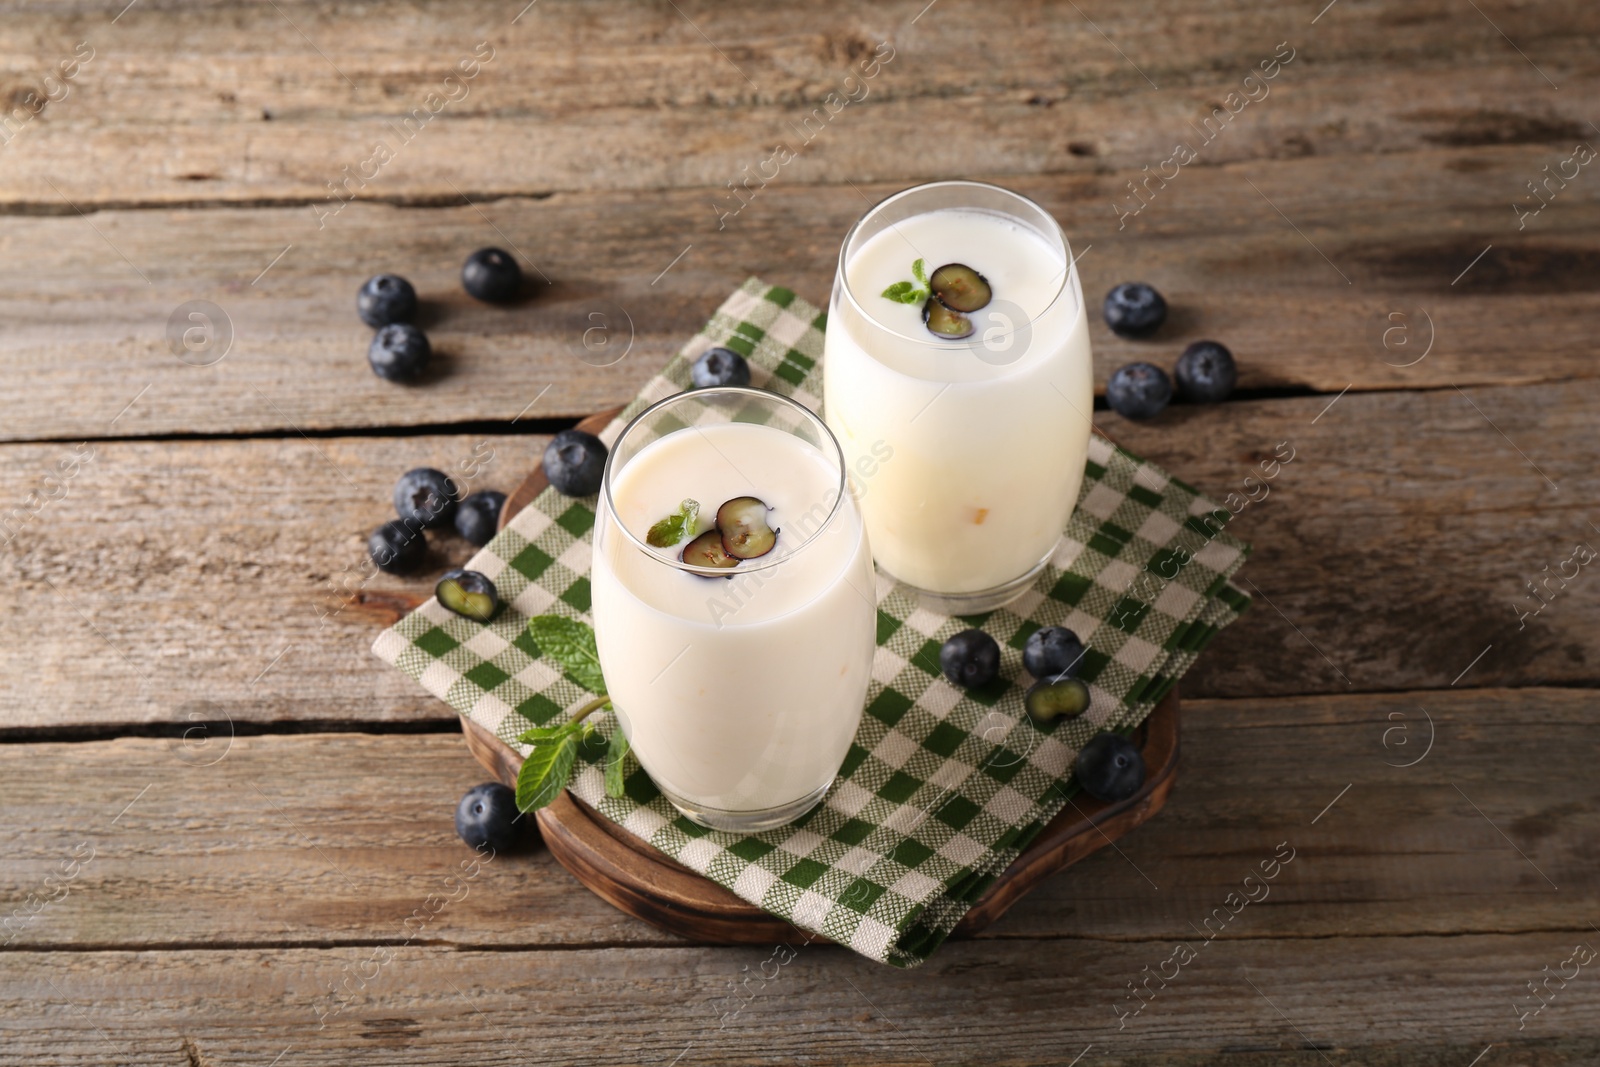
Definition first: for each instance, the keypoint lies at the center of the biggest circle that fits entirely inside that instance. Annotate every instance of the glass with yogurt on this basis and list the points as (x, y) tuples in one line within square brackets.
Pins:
[(736, 638), (986, 412)]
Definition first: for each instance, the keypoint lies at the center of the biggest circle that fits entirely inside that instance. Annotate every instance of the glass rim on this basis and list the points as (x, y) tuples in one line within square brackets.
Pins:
[(761, 563), (944, 344)]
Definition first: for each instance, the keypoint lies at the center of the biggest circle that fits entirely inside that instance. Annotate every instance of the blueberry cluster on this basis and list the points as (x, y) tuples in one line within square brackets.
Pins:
[(427, 499), (424, 499), (399, 351), (1110, 767), (1205, 371)]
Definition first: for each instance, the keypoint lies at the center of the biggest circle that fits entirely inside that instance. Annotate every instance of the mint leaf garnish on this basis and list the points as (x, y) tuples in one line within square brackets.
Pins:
[(571, 644), (907, 293), (548, 768), (616, 757), (670, 530), (545, 772)]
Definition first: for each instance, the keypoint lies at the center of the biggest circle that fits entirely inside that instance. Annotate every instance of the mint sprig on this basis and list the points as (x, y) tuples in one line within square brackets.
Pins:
[(672, 529), (571, 644), (548, 769), (908, 293)]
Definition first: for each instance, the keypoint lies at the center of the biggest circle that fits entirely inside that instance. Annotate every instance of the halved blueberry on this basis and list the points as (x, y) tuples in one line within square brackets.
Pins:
[(970, 658), (385, 299), (742, 524), (1134, 309), (491, 275), (487, 818), (1056, 698), (468, 594), (574, 461), (1206, 372), (426, 496), (1139, 391), (960, 288), (1052, 651), (399, 352), (719, 366), (478, 516), (1110, 767), (945, 322), (707, 551), (397, 547)]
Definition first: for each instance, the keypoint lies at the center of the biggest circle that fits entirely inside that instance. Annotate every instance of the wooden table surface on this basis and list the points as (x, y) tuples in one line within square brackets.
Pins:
[(223, 816)]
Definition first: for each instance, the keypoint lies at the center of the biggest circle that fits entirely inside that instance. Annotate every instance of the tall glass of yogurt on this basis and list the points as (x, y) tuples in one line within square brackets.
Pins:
[(737, 654), (989, 431)]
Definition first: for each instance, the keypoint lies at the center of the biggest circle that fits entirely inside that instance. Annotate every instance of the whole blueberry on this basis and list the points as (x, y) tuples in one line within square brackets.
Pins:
[(1052, 652), (426, 497), (1139, 391), (1134, 309), (397, 547), (399, 352), (574, 462), (719, 366), (970, 658), (1205, 372), (1110, 767), (478, 516), (486, 818), (491, 275), (384, 299)]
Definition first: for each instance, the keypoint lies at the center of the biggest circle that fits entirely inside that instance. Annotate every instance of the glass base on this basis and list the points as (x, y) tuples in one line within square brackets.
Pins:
[(981, 600), (745, 822)]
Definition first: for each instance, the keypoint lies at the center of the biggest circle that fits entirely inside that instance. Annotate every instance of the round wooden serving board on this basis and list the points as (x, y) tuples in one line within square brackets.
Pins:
[(648, 885)]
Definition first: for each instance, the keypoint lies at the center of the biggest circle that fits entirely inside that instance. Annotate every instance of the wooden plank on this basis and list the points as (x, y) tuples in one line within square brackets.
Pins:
[(195, 576), (1333, 1001), (184, 104), (1395, 551), (221, 580), (653, 266), (341, 836)]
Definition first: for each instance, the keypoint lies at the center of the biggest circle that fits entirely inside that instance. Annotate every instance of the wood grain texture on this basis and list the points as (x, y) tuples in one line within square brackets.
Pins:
[(245, 910), (192, 103), (228, 579), (1433, 1002), (336, 839), (624, 871), (93, 359)]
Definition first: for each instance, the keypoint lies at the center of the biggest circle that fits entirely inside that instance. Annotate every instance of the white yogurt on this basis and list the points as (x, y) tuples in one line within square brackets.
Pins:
[(988, 452), (738, 695)]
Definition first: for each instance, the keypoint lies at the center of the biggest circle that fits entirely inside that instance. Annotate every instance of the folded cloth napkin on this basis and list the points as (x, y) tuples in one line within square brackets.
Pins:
[(943, 788)]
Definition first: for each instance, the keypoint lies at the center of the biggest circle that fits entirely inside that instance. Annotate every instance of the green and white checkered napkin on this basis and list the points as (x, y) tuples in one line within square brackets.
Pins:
[(943, 788)]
